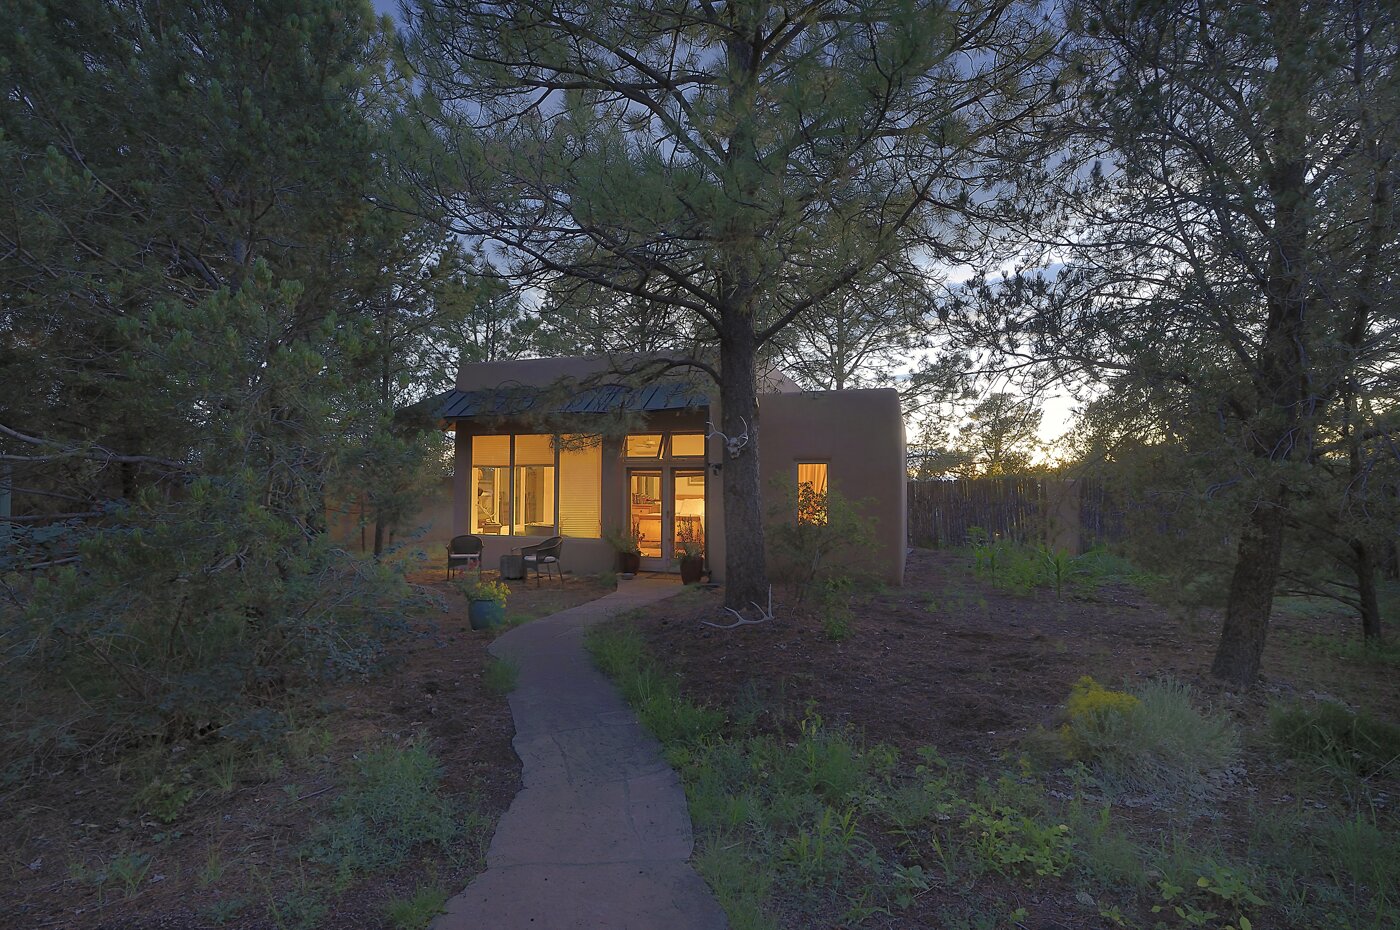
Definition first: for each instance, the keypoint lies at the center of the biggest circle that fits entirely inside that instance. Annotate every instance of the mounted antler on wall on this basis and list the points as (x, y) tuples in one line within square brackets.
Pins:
[(736, 444)]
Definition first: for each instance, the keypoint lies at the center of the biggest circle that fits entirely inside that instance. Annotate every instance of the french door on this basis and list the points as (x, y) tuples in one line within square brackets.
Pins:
[(666, 508)]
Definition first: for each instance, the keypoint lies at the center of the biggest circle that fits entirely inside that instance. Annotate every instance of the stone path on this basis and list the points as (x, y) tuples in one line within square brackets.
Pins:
[(599, 837)]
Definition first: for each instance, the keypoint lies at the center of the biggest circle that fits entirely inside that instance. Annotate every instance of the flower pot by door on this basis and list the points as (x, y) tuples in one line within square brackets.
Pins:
[(486, 614), (629, 562), (692, 567)]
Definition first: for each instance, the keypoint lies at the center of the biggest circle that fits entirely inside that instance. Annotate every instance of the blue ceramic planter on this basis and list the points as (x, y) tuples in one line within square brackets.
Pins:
[(486, 614)]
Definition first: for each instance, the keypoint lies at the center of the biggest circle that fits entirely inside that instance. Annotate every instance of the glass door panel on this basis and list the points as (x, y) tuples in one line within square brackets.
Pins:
[(644, 512), (689, 511)]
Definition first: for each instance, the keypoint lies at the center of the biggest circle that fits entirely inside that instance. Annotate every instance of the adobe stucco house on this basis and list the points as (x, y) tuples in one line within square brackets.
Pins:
[(515, 485)]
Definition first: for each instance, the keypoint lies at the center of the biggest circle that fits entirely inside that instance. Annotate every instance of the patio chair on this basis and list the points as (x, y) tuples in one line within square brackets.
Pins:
[(544, 554), (463, 553)]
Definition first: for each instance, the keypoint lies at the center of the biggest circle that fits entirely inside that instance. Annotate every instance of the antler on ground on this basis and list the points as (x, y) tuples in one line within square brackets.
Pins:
[(741, 620)]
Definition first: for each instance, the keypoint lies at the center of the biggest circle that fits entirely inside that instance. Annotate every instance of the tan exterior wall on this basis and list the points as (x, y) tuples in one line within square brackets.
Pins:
[(860, 437), (431, 527), (859, 434)]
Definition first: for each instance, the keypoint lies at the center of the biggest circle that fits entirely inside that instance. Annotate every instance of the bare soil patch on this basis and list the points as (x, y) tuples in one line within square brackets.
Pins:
[(229, 857), (978, 673), (950, 661)]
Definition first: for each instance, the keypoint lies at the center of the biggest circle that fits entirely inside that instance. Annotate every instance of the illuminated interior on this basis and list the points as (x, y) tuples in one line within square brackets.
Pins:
[(644, 445), (491, 485), (529, 485), (644, 510), (811, 492), (688, 445), (534, 486), (690, 511)]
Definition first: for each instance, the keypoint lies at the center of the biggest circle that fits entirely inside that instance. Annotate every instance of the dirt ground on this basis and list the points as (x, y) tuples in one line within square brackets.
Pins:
[(433, 686), (949, 661)]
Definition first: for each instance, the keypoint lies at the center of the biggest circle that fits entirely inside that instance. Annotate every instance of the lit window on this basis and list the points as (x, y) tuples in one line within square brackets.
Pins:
[(687, 445), (581, 487), (534, 486), (811, 492), (644, 446), (513, 483), (490, 485)]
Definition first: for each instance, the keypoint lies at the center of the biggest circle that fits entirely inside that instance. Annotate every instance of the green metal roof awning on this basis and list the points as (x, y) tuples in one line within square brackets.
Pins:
[(515, 401)]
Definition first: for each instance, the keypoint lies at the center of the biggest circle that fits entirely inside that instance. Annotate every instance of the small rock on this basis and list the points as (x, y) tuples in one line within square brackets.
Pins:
[(1084, 898)]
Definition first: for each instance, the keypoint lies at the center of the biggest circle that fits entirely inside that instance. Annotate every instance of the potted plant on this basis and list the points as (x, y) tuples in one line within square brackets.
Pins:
[(486, 603), (690, 553), (628, 546)]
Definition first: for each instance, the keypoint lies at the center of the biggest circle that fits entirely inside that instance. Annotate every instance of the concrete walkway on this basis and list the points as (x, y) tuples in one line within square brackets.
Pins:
[(599, 837)]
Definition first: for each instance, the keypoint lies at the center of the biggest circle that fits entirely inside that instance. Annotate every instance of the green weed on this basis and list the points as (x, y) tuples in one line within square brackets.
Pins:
[(417, 910), (130, 869), (1106, 854), (302, 909), (164, 800), (213, 869), (501, 675), (620, 653), (1330, 734), (223, 773), (1020, 568), (1217, 887), (836, 622), (127, 870), (225, 910), (820, 851), (390, 804), (1007, 840), (1355, 650), (1359, 851), (741, 879), (308, 742)]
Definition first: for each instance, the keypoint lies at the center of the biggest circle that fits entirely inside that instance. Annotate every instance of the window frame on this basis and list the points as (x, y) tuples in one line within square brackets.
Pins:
[(816, 519), (666, 452), (511, 472)]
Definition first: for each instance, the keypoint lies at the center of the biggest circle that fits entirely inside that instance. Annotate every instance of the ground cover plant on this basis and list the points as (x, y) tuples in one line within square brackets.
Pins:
[(359, 804), (973, 756)]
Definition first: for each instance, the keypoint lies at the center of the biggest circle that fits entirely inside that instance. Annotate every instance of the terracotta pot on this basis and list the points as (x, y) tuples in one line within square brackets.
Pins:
[(629, 563), (692, 567)]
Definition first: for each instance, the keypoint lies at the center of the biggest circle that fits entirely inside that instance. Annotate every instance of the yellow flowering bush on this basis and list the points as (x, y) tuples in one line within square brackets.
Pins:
[(1151, 742), (1092, 710)]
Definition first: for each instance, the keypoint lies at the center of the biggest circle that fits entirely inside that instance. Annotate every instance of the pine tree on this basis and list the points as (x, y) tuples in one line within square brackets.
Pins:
[(737, 164)]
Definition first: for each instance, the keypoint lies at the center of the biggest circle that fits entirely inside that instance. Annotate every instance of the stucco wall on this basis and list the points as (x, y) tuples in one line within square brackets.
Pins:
[(431, 527), (859, 434), (860, 437)]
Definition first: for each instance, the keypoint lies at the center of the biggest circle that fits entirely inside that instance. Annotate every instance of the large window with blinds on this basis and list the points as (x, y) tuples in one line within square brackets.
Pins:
[(537, 485)]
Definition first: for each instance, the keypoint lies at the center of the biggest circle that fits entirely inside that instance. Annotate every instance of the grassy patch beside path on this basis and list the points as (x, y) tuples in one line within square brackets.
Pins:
[(800, 823)]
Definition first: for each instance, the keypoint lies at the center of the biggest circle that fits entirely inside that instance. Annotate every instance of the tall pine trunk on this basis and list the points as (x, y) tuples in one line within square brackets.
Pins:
[(1282, 432), (1251, 597), (1364, 564), (745, 562)]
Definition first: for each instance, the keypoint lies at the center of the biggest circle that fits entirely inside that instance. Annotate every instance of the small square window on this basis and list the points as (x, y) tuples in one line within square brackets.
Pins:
[(688, 445), (644, 446)]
